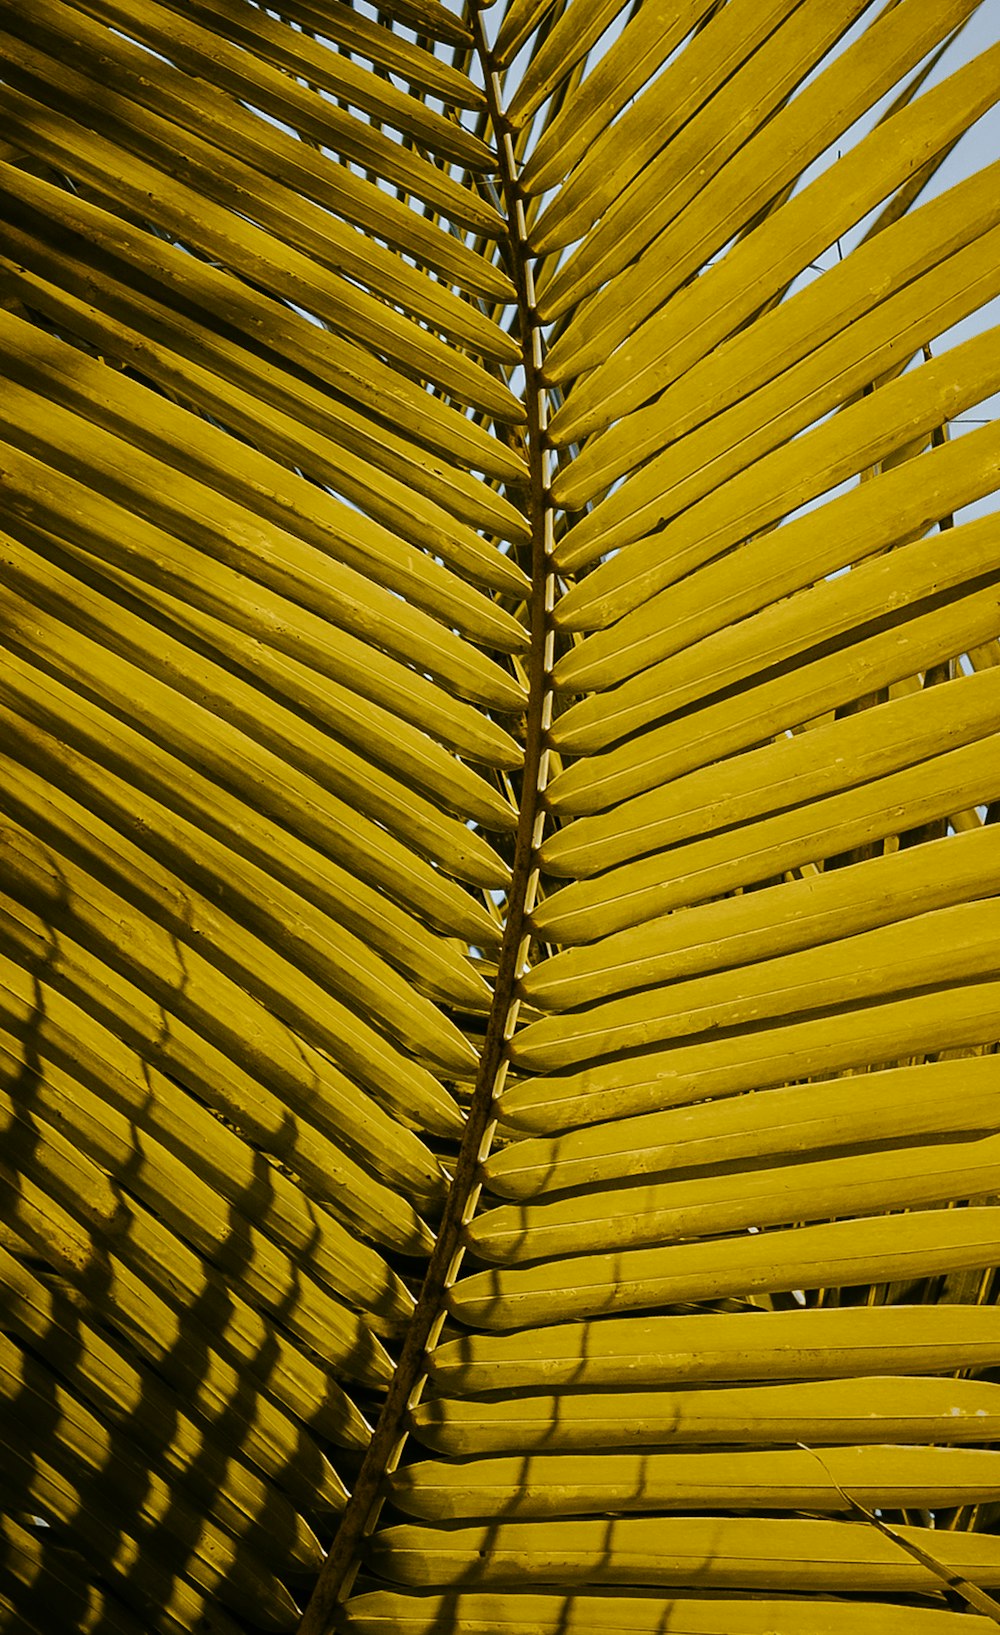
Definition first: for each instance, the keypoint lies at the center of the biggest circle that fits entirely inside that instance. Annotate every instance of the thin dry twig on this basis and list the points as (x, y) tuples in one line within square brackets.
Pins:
[(962, 1586)]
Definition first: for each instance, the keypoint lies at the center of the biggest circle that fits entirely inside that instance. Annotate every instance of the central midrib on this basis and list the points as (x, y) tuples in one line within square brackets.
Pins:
[(389, 1435)]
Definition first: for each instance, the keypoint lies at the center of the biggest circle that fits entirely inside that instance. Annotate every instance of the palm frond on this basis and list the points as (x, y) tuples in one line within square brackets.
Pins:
[(499, 965)]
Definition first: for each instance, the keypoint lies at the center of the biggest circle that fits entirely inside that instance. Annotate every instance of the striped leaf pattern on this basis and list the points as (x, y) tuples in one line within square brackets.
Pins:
[(499, 949)]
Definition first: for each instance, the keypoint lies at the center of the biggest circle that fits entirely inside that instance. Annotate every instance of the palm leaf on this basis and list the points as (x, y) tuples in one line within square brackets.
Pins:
[(499, 967)]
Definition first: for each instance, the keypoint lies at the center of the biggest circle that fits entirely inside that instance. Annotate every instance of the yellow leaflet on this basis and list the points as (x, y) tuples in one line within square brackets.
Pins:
[(782, 339), (62, 1493), (943, 1018), (893, 1408), (334, 1178), (388, 1612), (792, 236), (566, 1484), (761, 847), (866, 432), (205, 53), (629, 61), (802, 913), (719, 1551), (130, 1393), (900, 1103), (575, 30), (873, 345), (38, 1394), (130, 185), (669, 119), (883, 1249), (379, 392), (253, 485), (630, 1216), (831, 1342), (55, 1176), (841, 754), (887, 960), (803, 694)]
